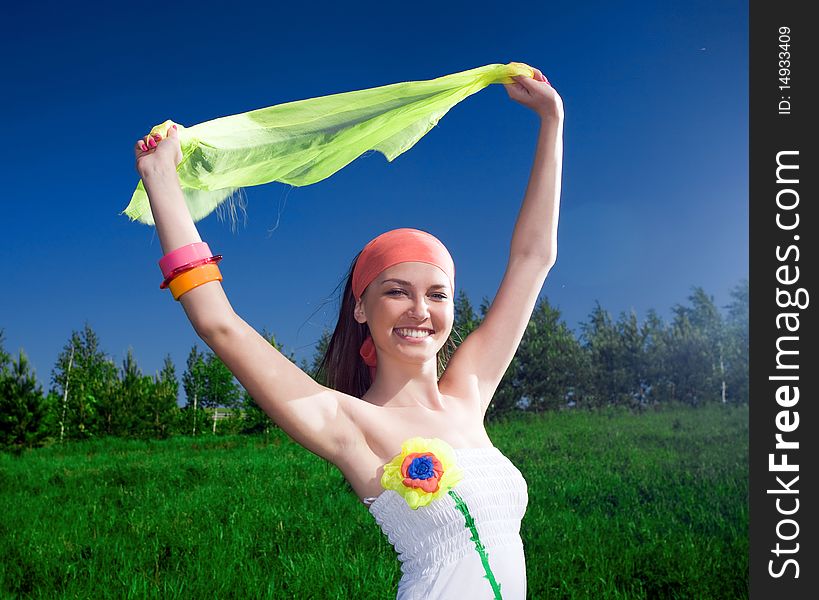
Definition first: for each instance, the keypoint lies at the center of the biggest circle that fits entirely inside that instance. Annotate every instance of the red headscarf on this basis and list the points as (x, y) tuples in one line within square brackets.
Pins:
[(391, 248)]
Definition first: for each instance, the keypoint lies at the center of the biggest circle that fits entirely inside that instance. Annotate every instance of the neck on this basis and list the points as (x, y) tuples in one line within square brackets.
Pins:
[(401, 384)]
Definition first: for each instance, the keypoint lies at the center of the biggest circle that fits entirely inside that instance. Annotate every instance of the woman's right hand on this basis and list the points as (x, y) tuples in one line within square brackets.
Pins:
[(155, 154)]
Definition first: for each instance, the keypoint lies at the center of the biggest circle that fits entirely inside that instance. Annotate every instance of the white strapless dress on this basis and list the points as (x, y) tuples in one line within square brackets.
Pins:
[(439, 560)]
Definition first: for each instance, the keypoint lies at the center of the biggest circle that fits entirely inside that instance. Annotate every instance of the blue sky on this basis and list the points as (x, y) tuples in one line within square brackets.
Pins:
[(655, 182)]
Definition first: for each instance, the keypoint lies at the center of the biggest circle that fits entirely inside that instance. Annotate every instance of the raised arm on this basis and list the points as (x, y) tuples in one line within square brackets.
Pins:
[(482, 359), (314, 416)]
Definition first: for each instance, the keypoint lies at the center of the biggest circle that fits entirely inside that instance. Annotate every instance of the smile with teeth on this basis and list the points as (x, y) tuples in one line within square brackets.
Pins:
[(413, 333)]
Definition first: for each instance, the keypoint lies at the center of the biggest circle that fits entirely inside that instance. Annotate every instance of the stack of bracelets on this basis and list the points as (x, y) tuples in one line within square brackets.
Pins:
[(188, 267)]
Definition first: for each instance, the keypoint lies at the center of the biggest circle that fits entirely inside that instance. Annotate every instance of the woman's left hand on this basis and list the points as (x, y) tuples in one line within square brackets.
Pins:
[(536, 93)]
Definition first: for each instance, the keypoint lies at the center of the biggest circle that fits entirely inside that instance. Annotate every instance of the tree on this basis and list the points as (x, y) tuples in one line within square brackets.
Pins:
[(608, 378), (318, 356), (193, 382), (507, 396), (164, 407), (659, 369), (133, 408), (689, 355), (5, 358), (92, 379), (699, 331), (484, 307), (737, 344), (23, 409), (466, 321), (634, 362), (221, 388), (549, 360), (117, 410)]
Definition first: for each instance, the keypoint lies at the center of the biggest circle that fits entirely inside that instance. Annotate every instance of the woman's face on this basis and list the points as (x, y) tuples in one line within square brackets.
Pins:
[(409, 309)]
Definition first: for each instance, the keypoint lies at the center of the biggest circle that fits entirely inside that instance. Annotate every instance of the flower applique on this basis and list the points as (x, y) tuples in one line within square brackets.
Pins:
[(425, 470)]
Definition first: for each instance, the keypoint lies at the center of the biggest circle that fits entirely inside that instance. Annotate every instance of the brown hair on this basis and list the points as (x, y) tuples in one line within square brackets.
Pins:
[(341, 367)]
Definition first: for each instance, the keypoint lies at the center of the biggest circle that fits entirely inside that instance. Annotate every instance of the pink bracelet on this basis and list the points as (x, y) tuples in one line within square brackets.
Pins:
[(191, 265), (182, 256)]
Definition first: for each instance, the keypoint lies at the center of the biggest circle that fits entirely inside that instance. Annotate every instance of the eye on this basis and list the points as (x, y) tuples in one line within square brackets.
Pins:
[(439, 296), (396, 292)]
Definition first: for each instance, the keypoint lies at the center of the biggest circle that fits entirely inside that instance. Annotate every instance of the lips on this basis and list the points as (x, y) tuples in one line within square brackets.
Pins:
[(413, 333)]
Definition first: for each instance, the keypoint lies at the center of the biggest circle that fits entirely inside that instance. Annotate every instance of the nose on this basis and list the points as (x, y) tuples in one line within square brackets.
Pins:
[(419, 309)]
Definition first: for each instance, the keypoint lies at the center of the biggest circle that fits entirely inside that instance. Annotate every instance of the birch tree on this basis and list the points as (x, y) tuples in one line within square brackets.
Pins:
[(93, 377)]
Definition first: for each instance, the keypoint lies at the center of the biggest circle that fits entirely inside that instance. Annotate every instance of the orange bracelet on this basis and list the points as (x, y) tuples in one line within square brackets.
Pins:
[(195, 277)]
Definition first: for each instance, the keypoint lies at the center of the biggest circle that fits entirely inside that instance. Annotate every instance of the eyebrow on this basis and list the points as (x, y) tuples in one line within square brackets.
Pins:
[(408, 284)]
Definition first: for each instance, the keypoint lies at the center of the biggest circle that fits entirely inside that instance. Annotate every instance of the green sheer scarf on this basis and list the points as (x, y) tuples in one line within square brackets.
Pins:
[(303, 142)]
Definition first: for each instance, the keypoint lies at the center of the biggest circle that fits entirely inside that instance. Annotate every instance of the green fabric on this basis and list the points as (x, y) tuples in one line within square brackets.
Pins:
[(469, 521), (303, 142)]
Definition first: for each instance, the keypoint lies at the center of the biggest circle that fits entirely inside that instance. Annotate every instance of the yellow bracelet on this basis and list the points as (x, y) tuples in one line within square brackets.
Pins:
[(181, 284)]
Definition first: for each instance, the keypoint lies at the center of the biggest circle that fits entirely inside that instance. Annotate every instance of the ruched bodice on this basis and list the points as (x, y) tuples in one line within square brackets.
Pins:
[(438, 555)]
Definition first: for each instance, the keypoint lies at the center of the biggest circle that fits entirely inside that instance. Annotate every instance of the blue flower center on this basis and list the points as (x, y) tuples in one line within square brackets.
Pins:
[(421, 468)]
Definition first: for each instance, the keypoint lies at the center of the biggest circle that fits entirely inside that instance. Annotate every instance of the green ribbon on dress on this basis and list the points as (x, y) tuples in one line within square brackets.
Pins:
[(303, 142)]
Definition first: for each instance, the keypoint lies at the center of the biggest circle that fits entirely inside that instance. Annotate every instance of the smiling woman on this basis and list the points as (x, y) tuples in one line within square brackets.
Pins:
[(402, 413), (393, 259)]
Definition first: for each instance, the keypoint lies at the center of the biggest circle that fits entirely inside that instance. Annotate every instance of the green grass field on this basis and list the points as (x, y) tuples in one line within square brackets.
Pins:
[(620, 506)]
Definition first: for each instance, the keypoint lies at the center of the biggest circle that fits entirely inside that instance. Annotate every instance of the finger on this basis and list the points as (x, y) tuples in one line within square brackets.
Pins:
[(513, 89), (141, 147), (150, 141), (543, 77), (537, 75), (525, 86), (172, 132)]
